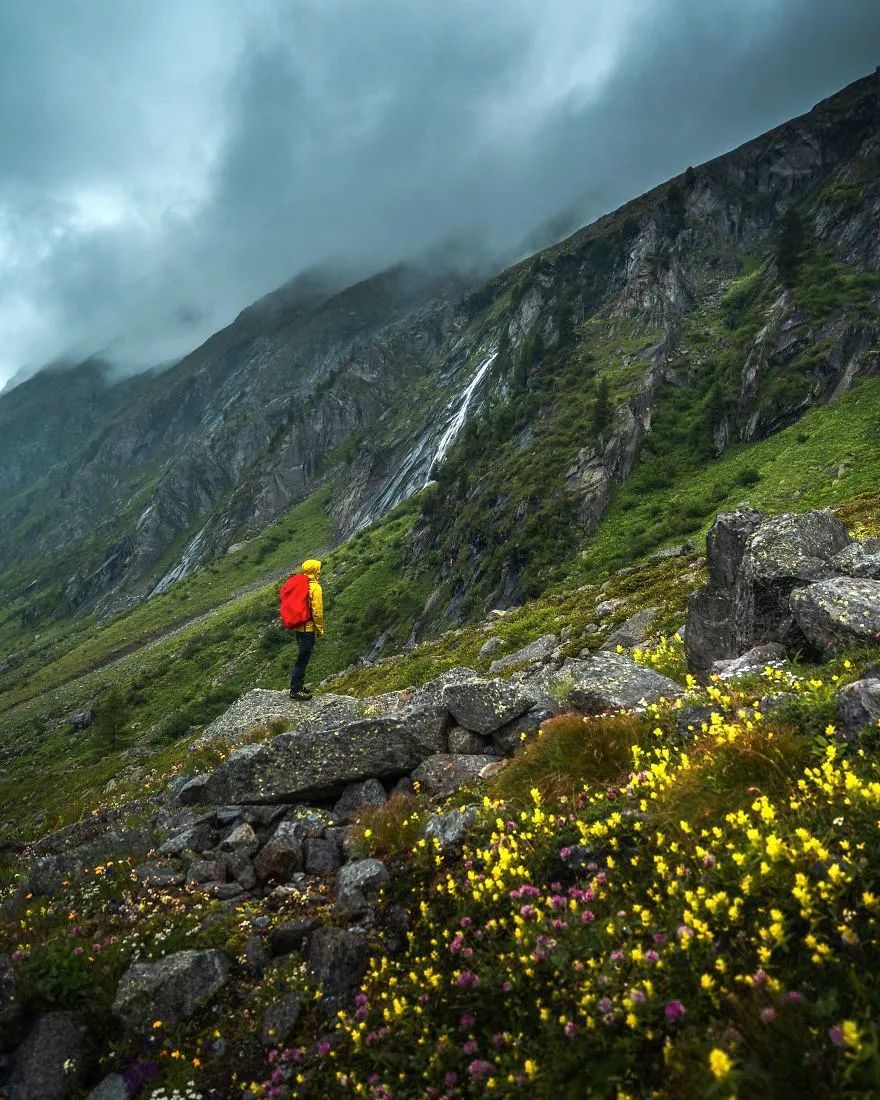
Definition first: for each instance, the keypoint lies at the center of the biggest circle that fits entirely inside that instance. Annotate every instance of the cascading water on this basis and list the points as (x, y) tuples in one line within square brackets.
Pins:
[(448, 437)]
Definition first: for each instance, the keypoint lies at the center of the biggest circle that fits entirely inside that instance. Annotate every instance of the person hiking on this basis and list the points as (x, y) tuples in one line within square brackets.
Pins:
[(307, 631)]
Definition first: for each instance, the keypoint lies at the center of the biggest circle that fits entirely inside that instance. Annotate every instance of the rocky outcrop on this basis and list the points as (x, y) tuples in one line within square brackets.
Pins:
[(484, 706), (755, 565), (605, 681), (172, 989)]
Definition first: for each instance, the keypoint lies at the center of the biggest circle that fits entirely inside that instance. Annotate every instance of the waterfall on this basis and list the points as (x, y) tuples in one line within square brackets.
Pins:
[(455, 425)]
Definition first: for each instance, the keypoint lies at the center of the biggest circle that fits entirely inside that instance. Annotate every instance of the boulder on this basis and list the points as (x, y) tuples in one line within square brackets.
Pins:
[(485, 705), (279, 858), (537, 651), (490, 647), (509, 737), (280, 1019), (49, 873), (291, 935), (837, 613), (463, 742), (755, 564), (859, 559), (633, 632), (358, 885), (52, 1061), (430, 694), (193, 792), (440, 775), (111, 1088), (607, 608), (205, 870), (609, 681), (81, 719), (689, 721), (755, 660), (321, 856), (160, 874), (356, 795), (242, 840), (240, 868), (172, 989), (311, 765), (858, 706), (449, 829), (196, 838), (337, 960)]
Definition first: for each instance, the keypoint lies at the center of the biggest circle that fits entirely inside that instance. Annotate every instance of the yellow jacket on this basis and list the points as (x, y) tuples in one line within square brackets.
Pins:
[(315, 625)]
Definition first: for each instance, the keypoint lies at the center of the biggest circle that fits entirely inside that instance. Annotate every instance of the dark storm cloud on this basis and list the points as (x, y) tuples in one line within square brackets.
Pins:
[(163, 165)]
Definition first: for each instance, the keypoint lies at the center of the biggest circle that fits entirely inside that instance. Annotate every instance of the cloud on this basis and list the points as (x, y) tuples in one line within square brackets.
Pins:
[(165, 164)]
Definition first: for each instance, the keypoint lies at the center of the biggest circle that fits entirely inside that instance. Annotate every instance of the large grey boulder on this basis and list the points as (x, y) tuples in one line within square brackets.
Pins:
[(281, 855), (49, 873), (755, 564), (260, 707), (859, 559), (541, 649), (358, 885), (196, 838), (441, 775), (609, 681), (172, 989), (838, 613), (509, 737), (858, 706), (754, 660), (485, 705), (322, 855), (51, 1062), (337, 960), (311, 764)]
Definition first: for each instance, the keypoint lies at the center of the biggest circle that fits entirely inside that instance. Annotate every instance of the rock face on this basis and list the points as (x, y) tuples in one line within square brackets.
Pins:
[(51, 1063), (483, 706), (858, 706), (755, 564), (310, 764), (172, 989), (839, 612)]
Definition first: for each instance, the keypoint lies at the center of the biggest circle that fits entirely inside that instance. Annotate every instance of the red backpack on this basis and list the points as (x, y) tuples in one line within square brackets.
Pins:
[(296, 607)]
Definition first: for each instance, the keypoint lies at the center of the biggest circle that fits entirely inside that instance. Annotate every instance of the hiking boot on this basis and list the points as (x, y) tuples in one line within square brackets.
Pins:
[(300, 696)]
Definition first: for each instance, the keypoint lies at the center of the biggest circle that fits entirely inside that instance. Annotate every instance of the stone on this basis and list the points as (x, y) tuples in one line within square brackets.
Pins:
[(196, 838), (440, 775), (767, 704), (485, 705), (755, 564), (607, 608), (194, 792), (240, 868), (509, 738), (430, 694), (280, 1019), (224, 891), (464, 742), (537, 651), (242, 840), (81, 719), (490, 647), (171, 989), (258, 707), (303, 765), (256, 955), (337, 960), (838, 613), (205, 870), (858, 706), (358, 885), (52, 1061), (290, 936), (633, 632), (754, 660), (279, 858), (610, 681), (859, 559), (357, 795), (321, 856), (49, 873), (111, 1088), (160, 874), (681, 550), (449, 829), (689, 721)]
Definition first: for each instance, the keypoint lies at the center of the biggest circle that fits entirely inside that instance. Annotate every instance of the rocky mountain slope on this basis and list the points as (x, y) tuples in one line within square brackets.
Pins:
[(583, 864), (712, 310)]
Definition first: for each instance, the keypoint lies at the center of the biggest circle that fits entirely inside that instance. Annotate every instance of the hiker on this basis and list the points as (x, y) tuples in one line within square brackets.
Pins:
[(302, 610)]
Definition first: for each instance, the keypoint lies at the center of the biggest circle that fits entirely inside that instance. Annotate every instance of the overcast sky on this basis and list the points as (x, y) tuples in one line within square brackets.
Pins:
[(163, 164)]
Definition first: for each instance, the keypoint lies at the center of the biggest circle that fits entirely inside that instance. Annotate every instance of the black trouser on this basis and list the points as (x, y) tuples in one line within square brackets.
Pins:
[(305, 643)]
